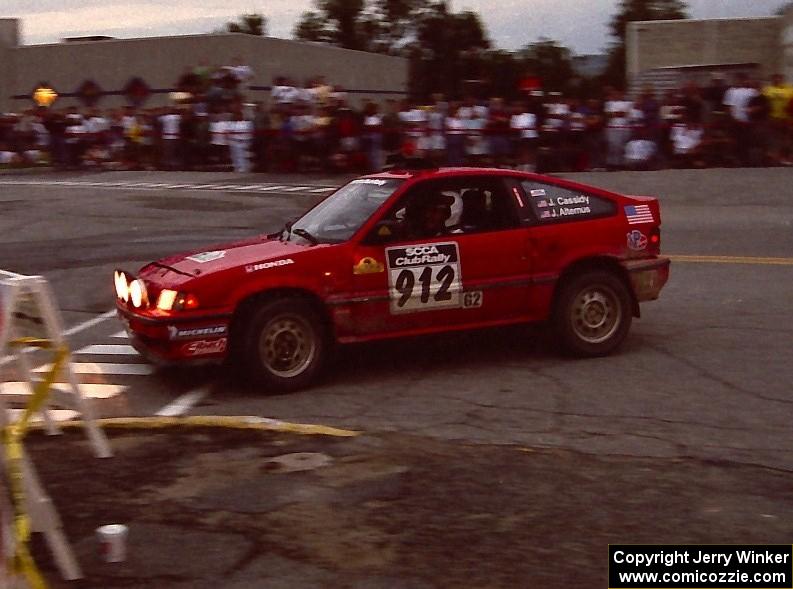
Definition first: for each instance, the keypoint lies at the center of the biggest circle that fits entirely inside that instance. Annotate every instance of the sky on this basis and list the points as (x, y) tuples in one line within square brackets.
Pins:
[(581, 25)]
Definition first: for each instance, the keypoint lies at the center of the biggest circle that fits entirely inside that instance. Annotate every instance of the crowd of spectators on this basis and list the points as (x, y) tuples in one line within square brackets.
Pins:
[(314, 127)]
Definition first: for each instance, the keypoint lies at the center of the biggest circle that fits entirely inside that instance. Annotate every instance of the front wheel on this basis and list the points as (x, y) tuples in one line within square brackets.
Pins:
[(592, 314), (286, 345)]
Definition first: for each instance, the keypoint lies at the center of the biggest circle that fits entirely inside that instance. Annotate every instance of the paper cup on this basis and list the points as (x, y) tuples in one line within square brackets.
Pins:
[(112, 542)]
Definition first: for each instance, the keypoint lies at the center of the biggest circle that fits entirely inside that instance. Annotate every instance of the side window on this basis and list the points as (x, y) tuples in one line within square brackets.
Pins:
[(485, 205), (450, 207), (553, 204)]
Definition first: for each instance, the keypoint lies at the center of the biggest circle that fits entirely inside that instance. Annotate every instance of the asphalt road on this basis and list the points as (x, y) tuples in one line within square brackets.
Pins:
[(705, 373)]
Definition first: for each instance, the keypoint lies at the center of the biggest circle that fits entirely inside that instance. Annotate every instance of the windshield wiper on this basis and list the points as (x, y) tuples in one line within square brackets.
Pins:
[(306, 235)]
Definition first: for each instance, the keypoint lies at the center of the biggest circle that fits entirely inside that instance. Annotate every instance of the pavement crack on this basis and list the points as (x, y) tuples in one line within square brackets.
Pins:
[(716, 378)]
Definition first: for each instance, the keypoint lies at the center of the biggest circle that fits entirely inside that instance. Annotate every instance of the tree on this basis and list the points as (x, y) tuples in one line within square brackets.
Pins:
[(339, 22), (549, 61), (631, 11), (250, 24), (782, 10), (449, 46), (440, 44)]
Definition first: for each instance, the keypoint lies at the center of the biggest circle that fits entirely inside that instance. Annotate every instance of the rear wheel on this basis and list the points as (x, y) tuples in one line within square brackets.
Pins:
[(592, 314), (286, 344)]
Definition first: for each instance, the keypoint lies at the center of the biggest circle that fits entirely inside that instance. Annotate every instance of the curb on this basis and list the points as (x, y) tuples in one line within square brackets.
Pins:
[(240, 422)]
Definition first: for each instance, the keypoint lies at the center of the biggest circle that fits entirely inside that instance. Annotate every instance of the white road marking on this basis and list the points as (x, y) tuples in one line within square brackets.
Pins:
[(89, 390), (184, 403), (268, 188), (56, 414), (9, 274), (109, 349), (105, 368), (120, 334), (90, 323), (123, 185)]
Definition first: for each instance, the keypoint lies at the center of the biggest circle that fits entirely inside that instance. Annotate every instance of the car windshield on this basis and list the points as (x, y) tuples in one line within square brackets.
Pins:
[(340, 215)]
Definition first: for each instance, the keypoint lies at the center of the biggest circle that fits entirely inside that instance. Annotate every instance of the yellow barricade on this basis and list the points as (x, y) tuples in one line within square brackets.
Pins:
[(22, 562)]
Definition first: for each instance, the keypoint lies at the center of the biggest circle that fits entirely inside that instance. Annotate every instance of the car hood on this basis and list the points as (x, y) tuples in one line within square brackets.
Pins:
[(247, 253)]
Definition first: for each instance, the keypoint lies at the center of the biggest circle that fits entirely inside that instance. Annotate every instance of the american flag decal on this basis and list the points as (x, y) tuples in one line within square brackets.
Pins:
[(639, 214)]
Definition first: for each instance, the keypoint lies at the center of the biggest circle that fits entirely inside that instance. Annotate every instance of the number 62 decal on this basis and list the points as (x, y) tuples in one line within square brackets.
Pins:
[(424, 277)]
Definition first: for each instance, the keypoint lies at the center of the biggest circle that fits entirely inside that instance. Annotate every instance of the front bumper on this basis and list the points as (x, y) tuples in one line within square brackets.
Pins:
[(171, 340)]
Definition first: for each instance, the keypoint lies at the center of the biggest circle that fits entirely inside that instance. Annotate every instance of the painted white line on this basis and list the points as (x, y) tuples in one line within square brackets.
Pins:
[(109, 349), (184, 403), (181, 186), (204, 186), (90, 323), (268, 188), (10, 274), (92, 391), (226, 187), (321, 190), (249, 187), (120, 335), (56, 414), (296, 188), (105, 368)]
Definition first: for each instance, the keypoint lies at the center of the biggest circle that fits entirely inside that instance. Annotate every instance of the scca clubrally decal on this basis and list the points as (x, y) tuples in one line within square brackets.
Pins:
[(424, 277)]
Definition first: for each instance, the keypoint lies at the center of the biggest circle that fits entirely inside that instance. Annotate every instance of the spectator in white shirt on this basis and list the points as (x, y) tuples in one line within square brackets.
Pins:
[(737, 99), (687, 138), (524, 124), (169, 123), (240, 133), (617, 111), (455, 137)]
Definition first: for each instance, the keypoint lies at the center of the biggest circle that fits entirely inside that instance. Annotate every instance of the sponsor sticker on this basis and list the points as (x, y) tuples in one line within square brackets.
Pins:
[(424, 277), (537, 192), (267, 265), (196, 332), (205, 347), (472, 299), (368, 266), (204, 257), (637, 241), (372, 181)]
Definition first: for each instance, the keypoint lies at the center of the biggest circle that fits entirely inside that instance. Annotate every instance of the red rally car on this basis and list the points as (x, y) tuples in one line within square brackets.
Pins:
[(405, 253)]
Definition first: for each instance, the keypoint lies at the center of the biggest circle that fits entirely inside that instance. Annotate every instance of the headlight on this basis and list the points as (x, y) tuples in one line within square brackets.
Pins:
[(122, 286), (137, 293), (170, 300), (166, 299)]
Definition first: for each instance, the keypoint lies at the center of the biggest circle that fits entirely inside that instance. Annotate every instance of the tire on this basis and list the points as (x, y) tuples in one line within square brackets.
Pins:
[(286, 345), (592, 314)]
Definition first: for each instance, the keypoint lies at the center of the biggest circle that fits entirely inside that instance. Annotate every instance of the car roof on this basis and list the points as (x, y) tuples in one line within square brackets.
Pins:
[(407, 173), (450, 172)]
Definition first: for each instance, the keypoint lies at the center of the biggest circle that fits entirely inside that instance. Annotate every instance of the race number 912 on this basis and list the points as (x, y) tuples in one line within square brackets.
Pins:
[(424, 277), (406, 282)]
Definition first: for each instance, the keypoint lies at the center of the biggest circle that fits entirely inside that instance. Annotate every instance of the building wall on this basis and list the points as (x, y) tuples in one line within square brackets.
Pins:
[(160, 61), (787, 44), (673, 43)]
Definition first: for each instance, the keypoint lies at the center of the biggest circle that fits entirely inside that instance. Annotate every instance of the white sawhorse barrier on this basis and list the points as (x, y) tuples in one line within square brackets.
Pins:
[(28, 310)]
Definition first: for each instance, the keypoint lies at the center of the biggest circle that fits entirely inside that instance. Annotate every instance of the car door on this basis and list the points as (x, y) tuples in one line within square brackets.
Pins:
[(469, 275)]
